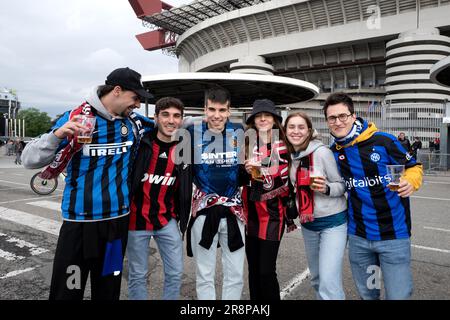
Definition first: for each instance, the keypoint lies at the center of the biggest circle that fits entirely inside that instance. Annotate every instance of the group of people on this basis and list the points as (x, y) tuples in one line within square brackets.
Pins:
[(212, 183), (433, 144), (15, 148)]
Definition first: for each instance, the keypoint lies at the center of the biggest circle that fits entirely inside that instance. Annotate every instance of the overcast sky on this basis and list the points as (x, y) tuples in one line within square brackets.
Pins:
[(53, 52)]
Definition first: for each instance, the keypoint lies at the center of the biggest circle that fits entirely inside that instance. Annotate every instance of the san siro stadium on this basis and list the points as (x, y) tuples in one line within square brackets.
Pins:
[(378, 51)]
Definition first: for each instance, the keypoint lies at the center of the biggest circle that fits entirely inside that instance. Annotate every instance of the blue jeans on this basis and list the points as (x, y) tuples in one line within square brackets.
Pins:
[(391, 257), (325, 254), (170, 248)]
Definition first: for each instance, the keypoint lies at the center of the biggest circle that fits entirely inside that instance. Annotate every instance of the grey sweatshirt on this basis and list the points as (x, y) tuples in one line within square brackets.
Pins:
[(323, 205), (40, 152)]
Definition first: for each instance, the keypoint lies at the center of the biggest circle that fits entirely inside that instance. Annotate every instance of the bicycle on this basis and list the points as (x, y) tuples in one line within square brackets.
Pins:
[(44, 187)]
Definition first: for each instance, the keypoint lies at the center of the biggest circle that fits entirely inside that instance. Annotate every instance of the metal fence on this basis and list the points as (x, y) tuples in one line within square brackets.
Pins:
[(415, 120), (434, 163)]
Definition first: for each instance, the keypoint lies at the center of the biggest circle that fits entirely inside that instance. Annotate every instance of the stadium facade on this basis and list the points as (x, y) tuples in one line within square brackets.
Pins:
[(378, 51)]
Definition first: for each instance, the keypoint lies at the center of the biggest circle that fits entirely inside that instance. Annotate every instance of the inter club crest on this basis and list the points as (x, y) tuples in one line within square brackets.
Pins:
[(124, 130), (375, 157)]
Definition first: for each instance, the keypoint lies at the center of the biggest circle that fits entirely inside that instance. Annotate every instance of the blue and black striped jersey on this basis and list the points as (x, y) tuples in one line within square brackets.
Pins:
[(97, 186), (375, 212), (216, 158)]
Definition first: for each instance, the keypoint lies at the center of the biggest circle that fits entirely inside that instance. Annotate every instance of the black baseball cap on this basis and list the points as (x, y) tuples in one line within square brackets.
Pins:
[(264, 105), (128, 79)]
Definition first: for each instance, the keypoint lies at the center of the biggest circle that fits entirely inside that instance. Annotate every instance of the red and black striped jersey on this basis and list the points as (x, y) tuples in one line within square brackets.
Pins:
[(154, 206), (266, 217)]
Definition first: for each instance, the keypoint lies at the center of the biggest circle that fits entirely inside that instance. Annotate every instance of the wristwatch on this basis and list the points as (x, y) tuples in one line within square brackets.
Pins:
[(327, 190)]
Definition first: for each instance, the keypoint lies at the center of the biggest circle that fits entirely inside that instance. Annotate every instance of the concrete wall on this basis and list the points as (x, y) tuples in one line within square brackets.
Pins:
[(326, 37)]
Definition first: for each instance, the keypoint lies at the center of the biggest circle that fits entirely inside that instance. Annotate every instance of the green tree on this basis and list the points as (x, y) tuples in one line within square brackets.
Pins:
[(36, 122)]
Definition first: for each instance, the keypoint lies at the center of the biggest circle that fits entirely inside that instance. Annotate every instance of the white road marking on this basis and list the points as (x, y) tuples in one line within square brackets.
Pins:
[(438, 229), (294, 283), (20, 184), (430, 198), (52, 205), (431, 249), (18, 188), (436, 182), (34, 249), (39, 198), (24, 184), (16, 273), (39, 223)]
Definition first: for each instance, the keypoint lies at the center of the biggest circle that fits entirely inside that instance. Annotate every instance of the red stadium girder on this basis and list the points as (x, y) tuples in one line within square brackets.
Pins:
[(156, 39)]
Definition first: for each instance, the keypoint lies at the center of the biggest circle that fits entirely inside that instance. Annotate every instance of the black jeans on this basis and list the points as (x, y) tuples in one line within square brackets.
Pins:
[(262, 264), (81, 251)]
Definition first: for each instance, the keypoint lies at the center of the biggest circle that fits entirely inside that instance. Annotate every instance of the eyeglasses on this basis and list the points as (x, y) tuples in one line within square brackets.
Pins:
[(342, 117)]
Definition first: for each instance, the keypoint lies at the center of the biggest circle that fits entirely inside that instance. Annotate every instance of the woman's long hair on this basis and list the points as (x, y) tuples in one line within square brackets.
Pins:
[(308, 121)]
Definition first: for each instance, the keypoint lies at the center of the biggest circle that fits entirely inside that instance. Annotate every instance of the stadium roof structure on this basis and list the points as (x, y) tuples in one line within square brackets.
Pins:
[(179, 19), (440, 72), (244, 88)]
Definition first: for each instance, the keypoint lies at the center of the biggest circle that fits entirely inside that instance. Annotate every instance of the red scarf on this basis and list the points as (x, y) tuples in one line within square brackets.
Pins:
[(304, 193), (275, 173), (63, 157), (202, 200)]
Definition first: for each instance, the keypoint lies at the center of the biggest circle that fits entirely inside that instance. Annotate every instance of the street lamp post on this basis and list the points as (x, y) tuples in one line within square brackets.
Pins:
[(15, 127), (9, 111), (5, 115), (16, 107)]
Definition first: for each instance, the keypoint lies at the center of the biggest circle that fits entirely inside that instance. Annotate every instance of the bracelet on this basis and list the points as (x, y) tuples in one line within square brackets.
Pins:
[(327, 190)]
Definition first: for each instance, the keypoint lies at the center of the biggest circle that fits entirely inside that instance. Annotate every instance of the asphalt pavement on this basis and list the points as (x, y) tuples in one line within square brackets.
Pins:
[(29, 225)]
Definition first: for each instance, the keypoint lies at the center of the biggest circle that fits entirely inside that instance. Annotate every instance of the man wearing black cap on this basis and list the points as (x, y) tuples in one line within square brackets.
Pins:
[(95, 204)]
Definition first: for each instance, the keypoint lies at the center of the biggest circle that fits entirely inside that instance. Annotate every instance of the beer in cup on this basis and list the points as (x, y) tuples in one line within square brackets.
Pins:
[(394, 173), (256, 170), (85, 136)]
